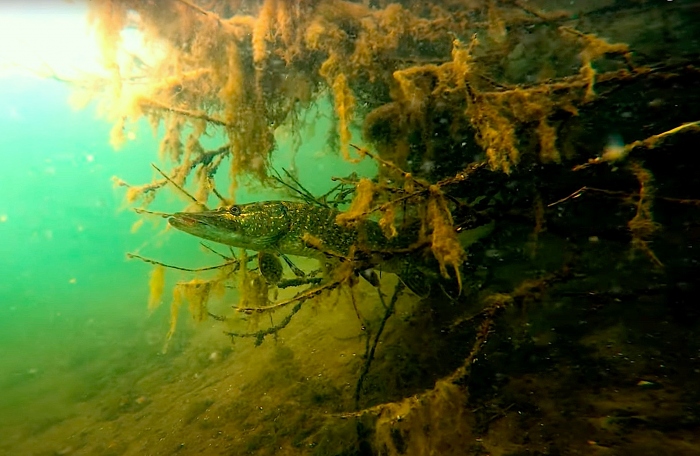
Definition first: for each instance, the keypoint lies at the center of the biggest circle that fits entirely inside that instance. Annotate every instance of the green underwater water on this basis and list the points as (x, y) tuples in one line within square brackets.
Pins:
[(69, 297)]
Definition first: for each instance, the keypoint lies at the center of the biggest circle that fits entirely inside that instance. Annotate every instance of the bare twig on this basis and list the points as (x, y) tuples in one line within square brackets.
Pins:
[(371, 349), (179, 187), (260, 335), (617, 193), (227, 258), (303, 296), (206, 268), (620, 153), (156, 105), (139, 210)]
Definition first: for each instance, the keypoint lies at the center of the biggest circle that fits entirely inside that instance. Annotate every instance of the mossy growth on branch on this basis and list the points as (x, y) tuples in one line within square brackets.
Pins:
[(411, 71), (431, 85)]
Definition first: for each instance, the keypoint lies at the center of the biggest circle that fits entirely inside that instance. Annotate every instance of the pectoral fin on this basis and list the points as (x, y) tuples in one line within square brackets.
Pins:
[(270, 267), (415, 279)]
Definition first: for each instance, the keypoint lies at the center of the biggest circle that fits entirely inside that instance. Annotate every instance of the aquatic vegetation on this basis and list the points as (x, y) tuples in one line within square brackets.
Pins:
[(476, 113), (156, 286)]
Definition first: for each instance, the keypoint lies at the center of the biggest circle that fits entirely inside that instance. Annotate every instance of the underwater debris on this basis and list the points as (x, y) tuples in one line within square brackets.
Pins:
[(156, 286), (364, 194), (642, 224), (197, 293), (444, 243)]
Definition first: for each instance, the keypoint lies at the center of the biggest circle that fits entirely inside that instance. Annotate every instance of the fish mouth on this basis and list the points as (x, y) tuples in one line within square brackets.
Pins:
[(183, 220), (206, 226)]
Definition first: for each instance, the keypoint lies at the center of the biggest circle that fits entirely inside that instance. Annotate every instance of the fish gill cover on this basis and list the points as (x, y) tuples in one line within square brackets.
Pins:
[(494, 126)]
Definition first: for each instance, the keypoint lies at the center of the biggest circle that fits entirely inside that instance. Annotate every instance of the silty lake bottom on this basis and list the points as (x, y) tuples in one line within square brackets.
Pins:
[(517, 181)]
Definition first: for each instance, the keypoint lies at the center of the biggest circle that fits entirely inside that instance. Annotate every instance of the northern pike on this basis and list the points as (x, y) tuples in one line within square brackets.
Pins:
[(286, 228)]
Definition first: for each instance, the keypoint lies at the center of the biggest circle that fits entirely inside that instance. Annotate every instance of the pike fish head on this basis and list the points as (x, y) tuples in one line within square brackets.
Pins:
[(253, 226)]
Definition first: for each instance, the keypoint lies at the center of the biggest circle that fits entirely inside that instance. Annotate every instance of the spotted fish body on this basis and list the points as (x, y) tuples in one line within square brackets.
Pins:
[(285, 227)]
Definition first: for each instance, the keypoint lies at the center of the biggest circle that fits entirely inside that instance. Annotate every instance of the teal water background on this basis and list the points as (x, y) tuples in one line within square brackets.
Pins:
[(68, 296)]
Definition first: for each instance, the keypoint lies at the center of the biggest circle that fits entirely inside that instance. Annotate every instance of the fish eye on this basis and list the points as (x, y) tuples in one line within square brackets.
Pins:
[(235, 210)]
